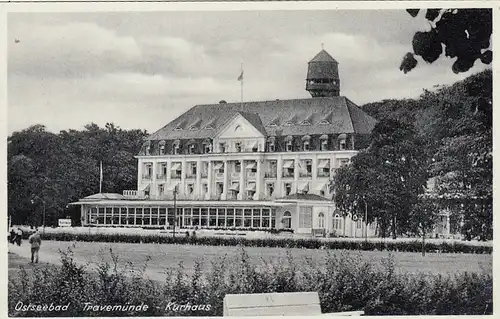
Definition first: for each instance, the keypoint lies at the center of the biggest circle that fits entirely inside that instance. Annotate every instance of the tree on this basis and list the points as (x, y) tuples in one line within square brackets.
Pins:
[(422, 218), (464, 33)]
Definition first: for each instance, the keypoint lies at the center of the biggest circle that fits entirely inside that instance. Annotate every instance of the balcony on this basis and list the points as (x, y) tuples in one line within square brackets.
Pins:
[(323, 174), (270, 174), (161, 177), (175, 176), (147, 177), (305, 174), (219, 175)]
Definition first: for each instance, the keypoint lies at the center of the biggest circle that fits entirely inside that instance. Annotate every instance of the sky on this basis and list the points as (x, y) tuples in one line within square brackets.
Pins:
[(140, 70)]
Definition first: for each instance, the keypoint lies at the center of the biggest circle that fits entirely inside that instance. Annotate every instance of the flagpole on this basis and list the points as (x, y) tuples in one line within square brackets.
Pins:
[(242, 79)]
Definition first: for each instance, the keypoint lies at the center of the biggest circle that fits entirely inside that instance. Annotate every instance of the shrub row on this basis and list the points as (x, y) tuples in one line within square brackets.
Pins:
[(345, 282), (307, 243)]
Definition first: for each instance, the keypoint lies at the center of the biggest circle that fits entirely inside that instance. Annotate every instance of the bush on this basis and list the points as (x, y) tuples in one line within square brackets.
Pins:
[(309, 243), (344, 283)]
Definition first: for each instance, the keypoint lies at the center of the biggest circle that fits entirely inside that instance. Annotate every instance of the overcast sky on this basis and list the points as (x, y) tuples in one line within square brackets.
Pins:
[(141, 70)]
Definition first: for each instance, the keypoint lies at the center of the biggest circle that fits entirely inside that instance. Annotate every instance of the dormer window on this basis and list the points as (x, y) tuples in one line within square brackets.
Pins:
[(342, 141), (307, 121), (324, 122), (306, 143), (222, 147), (237, 147), (289, 143), (178, 128), (207, 146), (291, 121), (192, 147), (271, 147), (324, 142), (147, 147), (176, 149), (162, 147)]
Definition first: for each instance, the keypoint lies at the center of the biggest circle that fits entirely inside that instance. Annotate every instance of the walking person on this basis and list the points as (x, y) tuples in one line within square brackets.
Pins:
[(35, 240), (12, 235), (19, 236)]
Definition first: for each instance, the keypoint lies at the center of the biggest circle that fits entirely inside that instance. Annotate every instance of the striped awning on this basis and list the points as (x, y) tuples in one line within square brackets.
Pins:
[(176, 167), (324, 164), (218, 166), (251, 165), (250, 187), (235, 186), (303, 187), (287, 164)]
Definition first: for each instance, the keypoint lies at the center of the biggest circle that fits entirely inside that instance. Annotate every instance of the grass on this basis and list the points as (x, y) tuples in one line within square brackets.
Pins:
[(162, 256)]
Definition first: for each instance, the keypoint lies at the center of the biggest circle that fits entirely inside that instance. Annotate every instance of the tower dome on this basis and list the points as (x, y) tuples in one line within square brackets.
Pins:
[(323, 76)]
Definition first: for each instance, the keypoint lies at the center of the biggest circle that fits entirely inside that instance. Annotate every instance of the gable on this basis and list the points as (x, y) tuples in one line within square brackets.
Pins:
[(239, 127)]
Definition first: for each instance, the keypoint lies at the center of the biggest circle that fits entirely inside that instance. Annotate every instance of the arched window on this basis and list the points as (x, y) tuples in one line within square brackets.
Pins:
[(342, 141), (324, 142), (321, 220), (337, 222), (176, 147), (287, 220), (289, 143), (306, 143)]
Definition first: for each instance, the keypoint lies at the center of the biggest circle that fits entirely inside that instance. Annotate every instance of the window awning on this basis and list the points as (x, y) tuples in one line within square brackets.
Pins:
[(320, 187), (250, 187), (251, 165), (323, 137), (324, 164), (162, 142), (176, 167), (342, 136), (303, 187), (235, 186), (218, 166), (146, 189), (172, 186), (288, 164), (306, 138)]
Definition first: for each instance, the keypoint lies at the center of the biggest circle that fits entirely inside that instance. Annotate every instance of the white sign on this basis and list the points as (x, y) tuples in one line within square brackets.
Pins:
[(64, 222)]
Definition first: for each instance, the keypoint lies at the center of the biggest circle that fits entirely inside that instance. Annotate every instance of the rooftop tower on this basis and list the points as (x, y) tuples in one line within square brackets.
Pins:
[(323, 76)]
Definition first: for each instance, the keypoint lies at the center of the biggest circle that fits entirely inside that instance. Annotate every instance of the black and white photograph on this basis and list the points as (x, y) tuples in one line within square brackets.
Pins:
[(249, 159)]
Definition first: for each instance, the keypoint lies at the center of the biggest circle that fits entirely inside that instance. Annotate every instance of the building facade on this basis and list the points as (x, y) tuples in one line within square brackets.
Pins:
[(246, 165)]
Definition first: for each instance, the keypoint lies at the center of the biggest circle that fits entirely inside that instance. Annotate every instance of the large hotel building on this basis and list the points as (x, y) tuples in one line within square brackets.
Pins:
[(248, 165)]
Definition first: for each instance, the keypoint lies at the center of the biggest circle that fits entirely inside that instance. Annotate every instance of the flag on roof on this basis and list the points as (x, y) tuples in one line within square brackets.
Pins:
[(240, 78)]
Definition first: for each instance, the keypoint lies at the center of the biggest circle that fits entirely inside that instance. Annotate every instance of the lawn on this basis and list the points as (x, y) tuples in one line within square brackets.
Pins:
[(160, 257)]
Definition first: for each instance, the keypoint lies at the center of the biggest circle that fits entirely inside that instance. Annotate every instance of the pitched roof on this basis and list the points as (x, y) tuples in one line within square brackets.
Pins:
[(323, 56), (103, 196), (255, 120), (344, 117)]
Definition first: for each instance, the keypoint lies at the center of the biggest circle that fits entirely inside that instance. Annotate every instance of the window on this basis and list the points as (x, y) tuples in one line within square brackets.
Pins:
[(359, 224), (237, 167), (342, 144), (321, 220), (190, 189), (337, 222), (161, 189), (192, 148), (255, 149), (324, 143), (342, 141), (306, 145), (204, 187), (270, 189), (288, 189), (163, 169), (309, 166), (222, 147), (237, 146), (271, 144), (289, 146), (162, 147), (237, 128), (322, 193), (287, 220), (176, 147), (207, 148)]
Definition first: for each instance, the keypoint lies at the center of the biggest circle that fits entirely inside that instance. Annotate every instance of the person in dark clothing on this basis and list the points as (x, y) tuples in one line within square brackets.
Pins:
[(35, 242), (19, 236), (12, 235)]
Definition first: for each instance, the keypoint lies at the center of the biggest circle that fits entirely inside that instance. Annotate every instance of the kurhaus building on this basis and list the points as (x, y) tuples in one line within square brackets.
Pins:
[(258, 165)]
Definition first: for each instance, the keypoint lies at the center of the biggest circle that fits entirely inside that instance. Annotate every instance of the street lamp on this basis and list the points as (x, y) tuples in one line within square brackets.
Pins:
[(44, 204)]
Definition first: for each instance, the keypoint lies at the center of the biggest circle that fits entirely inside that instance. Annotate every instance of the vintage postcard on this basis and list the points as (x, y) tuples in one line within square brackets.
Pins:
[(249, 159)]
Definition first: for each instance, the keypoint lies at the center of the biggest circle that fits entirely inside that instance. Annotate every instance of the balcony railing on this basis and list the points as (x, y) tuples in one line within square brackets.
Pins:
[(147, 176), (323, 174), (175, 176), (270, 175), (219, 175), (161, 177), (190, 176), (133, 194), (287, 174), (305, 174)]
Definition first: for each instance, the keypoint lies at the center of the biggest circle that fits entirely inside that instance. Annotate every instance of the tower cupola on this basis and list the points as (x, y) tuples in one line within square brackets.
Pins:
[(323, 76)]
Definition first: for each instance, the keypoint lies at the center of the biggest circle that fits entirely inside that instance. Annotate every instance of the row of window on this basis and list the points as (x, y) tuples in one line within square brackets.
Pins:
[(288, 144)]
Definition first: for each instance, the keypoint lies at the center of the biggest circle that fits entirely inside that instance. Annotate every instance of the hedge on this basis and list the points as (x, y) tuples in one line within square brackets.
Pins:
[(307, 243)]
